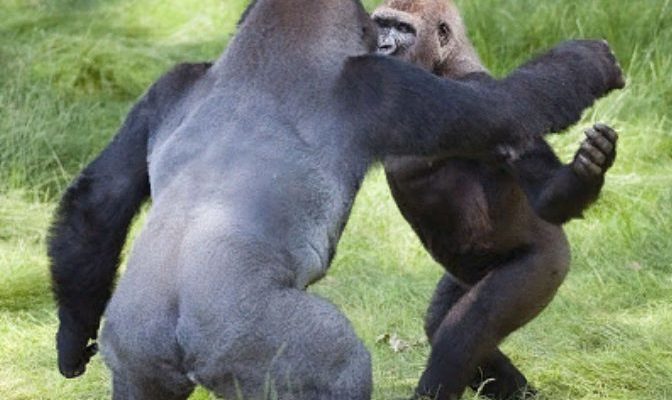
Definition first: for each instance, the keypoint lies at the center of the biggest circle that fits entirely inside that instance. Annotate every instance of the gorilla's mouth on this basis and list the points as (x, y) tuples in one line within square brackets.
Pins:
[(387, 49)]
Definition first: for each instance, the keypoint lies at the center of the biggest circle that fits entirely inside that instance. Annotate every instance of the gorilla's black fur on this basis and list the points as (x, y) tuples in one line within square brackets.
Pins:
[(252, 165)]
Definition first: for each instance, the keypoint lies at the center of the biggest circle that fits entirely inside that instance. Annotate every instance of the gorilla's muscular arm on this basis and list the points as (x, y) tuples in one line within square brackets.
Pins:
[(545, 95), (93, 217)]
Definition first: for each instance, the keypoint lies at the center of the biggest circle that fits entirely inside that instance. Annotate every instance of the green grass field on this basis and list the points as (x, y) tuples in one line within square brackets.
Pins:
[(70, 70)]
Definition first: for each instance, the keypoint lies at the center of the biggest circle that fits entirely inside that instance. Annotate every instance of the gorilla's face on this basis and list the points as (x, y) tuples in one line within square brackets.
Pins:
[(395, 37), (428, 33)]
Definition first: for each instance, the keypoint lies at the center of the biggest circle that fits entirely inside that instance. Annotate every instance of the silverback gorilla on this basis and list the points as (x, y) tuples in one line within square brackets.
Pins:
[(497, 231), (252, 164)]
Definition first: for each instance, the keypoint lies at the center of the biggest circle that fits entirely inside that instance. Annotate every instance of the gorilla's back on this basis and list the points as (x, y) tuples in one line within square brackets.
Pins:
[(235, 163)]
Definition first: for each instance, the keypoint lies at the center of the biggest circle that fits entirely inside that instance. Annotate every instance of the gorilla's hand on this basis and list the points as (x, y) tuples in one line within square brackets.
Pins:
[(552, 91), (74, 351), (596, 154), (599, 55)]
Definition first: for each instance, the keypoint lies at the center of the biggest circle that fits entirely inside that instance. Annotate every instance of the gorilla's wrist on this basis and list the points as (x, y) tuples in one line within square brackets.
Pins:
[(77, 326)]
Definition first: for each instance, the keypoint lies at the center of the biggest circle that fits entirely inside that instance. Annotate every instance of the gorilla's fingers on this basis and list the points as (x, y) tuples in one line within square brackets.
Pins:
[(89, 352), (607, 143), (598, 140), (81, 368), (586, 168), (597, 152), (579, 166), (607, 131), (598, 156), (92, 350)]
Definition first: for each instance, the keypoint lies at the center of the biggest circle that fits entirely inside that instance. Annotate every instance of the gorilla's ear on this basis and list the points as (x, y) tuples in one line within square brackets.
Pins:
[(445, 33)]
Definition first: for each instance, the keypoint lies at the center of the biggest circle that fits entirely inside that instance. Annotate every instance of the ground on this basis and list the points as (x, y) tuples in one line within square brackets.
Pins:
[(70, 70)]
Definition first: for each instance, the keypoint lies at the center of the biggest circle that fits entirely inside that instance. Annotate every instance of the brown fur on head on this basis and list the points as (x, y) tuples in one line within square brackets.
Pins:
[(440, 42)]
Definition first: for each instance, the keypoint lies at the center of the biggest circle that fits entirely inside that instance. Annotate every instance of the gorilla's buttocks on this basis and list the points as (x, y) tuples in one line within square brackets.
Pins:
[(252, 165)]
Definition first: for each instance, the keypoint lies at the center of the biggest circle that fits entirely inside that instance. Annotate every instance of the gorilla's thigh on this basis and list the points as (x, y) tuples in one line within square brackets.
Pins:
[(132, 386), (299, 346), (138, 344)]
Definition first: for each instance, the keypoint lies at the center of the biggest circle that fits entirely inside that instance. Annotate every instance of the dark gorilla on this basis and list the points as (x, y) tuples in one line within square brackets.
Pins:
[(497, 230), (252, 164)]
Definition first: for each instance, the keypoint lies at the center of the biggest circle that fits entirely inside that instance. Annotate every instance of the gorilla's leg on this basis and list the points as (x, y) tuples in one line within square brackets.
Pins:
[(126, 387), (503, 301), (447, 293), (496, 377), (319, 343), (138, 340), (299, 347), (245, 329), (145, 361)]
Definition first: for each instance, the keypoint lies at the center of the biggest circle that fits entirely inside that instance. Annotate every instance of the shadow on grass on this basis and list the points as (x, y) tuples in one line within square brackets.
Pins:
[(25, 285), (33, 295)]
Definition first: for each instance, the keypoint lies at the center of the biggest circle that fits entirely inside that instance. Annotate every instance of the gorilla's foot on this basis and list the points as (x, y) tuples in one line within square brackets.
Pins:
[(499, 379), (501, 390)]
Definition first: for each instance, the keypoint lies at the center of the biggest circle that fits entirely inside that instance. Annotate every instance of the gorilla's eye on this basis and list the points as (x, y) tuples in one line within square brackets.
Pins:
[(405, 28), (444, 33)]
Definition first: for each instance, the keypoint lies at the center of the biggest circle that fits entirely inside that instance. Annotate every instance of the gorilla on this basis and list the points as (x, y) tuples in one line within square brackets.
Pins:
[(497, 229), (252, 164)]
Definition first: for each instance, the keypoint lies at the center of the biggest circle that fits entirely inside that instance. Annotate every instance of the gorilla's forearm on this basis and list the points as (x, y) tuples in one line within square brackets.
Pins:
[(557, 192), (535, 169), (566, 196), (553, 189)]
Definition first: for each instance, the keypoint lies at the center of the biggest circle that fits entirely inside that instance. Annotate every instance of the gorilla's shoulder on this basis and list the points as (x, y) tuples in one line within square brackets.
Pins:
[(180, 78)]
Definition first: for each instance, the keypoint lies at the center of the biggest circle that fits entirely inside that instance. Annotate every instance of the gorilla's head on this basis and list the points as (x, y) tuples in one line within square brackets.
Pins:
[(428, 33)]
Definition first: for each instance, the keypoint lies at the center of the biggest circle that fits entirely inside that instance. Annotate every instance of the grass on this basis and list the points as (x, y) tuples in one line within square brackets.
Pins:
[(72, 68)]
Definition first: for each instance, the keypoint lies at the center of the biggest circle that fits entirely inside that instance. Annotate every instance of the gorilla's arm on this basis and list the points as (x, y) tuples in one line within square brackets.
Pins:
[(87, 236), (401, 109), (93, 217), (557, 192)]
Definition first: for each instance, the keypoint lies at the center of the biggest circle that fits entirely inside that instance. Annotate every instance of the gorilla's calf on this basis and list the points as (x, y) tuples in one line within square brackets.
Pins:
[(496, 230), (252, 165)]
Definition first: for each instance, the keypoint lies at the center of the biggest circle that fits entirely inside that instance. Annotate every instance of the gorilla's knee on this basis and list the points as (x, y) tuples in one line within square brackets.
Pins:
[(553, 256)]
